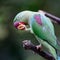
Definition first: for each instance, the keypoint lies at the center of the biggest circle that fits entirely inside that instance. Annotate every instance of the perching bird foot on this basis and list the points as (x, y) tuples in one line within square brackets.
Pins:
[(39, 47), (26, 44)]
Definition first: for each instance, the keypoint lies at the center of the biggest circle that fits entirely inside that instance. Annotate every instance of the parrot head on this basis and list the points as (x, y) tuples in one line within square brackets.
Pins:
[(20, 25), (21, 20)]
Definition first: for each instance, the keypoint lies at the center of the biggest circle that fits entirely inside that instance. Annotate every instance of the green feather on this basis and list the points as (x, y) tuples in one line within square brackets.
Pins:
[(47, 47), (44, 31)]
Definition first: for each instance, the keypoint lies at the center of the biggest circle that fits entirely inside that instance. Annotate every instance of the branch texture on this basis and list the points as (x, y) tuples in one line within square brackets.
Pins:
[(54, 18), (29, 46)]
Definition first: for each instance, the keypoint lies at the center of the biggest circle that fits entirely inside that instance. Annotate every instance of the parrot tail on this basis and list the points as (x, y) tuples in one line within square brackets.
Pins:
[(57, 47)]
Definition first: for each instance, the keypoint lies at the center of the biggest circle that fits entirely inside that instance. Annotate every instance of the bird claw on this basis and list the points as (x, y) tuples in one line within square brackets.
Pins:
[(26, 44), (39, 47)]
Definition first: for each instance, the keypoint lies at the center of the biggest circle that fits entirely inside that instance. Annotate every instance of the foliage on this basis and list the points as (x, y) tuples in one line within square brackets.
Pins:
[(10, 38)]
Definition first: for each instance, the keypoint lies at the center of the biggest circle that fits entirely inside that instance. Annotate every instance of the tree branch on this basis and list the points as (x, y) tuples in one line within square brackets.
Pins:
[(29, 46), (54, 18)]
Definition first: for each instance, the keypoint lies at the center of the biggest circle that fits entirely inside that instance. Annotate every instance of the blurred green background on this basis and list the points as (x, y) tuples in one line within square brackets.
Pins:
[(10, 38)]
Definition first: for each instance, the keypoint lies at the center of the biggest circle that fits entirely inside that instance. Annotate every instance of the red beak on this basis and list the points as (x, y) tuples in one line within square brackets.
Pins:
[(16, 24)]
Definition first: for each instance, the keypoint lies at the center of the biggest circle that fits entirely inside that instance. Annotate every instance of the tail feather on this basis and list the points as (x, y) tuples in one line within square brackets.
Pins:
[(57, 47)]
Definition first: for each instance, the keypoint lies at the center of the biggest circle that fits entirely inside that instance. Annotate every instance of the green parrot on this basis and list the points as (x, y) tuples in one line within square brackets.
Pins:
[(41, 27)]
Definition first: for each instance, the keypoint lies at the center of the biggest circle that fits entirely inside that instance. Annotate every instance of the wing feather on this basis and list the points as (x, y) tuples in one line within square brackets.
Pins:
[(44, 31)]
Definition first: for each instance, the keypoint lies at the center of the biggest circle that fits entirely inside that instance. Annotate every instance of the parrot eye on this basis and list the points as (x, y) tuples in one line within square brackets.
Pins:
[(21, 27)]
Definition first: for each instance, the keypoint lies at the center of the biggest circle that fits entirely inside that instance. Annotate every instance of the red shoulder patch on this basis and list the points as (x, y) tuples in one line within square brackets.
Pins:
[(38, 19)]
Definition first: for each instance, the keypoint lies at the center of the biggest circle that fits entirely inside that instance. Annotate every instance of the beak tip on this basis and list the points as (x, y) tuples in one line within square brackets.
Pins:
[(16, 24)]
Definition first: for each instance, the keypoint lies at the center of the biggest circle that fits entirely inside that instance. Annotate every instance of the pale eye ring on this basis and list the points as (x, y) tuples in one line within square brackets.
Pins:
[(21, 27)]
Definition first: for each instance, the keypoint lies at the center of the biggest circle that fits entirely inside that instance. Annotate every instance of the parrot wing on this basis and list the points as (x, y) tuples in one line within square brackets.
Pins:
[(43, 28)]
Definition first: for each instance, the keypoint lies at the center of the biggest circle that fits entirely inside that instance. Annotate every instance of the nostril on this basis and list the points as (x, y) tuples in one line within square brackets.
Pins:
[(16, 24)]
